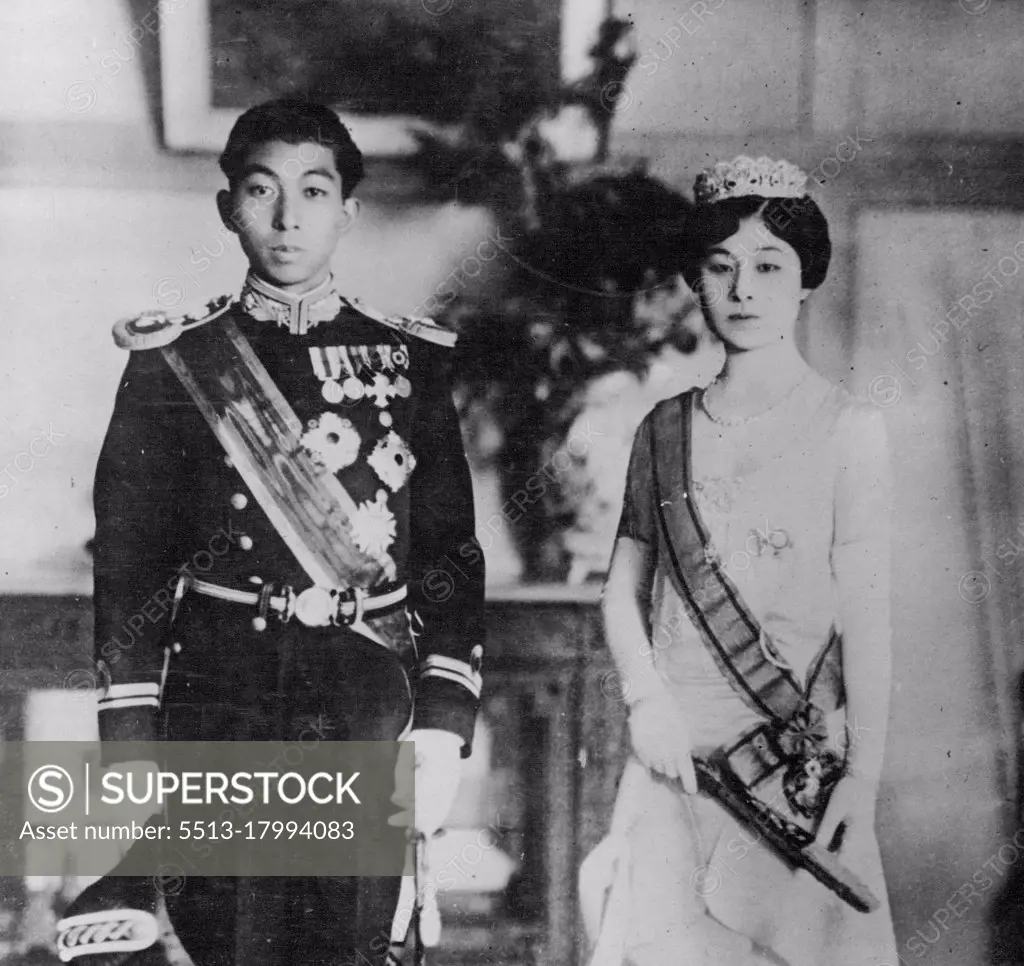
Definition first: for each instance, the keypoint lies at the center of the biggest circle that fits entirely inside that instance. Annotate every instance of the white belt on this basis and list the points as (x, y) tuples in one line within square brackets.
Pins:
[(313, 607)]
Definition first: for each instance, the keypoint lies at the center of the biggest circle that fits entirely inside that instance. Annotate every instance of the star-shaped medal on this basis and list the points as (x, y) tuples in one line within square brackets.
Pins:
[(374, 526)]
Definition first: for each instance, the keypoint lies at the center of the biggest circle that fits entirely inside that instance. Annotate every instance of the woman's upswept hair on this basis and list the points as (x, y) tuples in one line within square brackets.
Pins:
[(797, 221)]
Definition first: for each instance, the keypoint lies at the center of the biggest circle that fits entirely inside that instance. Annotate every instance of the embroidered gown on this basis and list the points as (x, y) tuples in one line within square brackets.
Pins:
[(802, 531)]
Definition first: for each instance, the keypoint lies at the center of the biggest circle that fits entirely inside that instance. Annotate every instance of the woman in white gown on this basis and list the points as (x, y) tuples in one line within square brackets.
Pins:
[(782, 486)]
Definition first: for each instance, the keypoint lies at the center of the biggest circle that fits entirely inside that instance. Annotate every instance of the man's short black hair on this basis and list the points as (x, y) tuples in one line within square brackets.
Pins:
[(293, 120)]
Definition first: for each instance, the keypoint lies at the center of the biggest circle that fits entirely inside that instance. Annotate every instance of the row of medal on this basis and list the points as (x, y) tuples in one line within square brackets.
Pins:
[(332, 363)]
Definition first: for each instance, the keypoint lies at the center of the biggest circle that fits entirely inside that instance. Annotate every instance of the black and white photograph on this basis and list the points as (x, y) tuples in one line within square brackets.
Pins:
[(512, 483)]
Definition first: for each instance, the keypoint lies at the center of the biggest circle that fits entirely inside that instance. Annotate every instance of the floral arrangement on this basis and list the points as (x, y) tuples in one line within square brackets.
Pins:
[(576, 302), (588, 287)]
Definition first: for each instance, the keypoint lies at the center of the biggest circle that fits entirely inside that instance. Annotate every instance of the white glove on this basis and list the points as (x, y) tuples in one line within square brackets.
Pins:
[(661, 739), (438, 769)]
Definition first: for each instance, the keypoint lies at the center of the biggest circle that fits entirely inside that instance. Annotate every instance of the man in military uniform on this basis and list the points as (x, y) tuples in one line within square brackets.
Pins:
[(207, 627)]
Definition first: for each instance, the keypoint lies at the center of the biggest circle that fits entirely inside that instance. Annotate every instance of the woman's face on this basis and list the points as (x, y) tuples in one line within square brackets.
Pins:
[(750, 288)]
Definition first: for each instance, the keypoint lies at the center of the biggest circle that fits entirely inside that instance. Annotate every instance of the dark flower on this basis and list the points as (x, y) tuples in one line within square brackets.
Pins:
[(804, 734)]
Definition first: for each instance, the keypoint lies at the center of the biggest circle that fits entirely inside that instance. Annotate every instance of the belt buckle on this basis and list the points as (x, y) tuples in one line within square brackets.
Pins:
[(316, 607), (355, 598)]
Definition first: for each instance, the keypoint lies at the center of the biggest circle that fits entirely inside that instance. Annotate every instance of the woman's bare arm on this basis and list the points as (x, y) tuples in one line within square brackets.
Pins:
[(625, 603), (861, 565), (656, 723), (861, 568)]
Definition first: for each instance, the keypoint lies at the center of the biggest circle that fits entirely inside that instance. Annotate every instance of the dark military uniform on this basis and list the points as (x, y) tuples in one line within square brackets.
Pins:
[(174, 517)]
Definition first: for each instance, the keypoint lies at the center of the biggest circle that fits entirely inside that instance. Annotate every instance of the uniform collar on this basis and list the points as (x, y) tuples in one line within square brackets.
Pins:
[(297, 313)]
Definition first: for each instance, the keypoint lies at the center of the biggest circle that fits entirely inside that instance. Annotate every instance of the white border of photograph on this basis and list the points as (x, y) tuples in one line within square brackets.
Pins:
[(191, 123)]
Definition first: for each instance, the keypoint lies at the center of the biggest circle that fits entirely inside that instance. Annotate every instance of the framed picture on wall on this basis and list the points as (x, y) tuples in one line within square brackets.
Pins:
[(389, 67)]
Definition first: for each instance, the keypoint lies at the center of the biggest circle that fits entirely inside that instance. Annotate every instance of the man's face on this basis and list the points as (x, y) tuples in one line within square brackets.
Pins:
[(288, 212)]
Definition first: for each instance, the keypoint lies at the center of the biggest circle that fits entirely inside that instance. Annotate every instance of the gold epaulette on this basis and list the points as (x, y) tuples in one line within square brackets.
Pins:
[(419, 327), (153, 330)]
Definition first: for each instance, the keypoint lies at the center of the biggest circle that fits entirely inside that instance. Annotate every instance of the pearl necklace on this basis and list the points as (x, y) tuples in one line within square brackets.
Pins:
[(743, 420)]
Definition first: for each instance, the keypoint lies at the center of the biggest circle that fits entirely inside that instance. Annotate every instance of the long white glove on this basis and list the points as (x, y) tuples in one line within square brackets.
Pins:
[(438, 770), (661, 739)]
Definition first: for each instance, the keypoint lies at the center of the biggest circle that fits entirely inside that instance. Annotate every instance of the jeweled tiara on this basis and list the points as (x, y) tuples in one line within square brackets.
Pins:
[(744, 176)]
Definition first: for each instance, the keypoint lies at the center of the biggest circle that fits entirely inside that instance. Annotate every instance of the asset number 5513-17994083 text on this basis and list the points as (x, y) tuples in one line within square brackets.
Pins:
[(265, 829)]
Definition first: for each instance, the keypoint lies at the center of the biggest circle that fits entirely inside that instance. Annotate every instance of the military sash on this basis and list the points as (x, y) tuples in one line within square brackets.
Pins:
[(786, 761), (259, 431)]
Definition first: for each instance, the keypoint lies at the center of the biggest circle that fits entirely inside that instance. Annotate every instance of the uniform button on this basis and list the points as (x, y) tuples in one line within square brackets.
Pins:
[(239, 501), (245, 542)]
